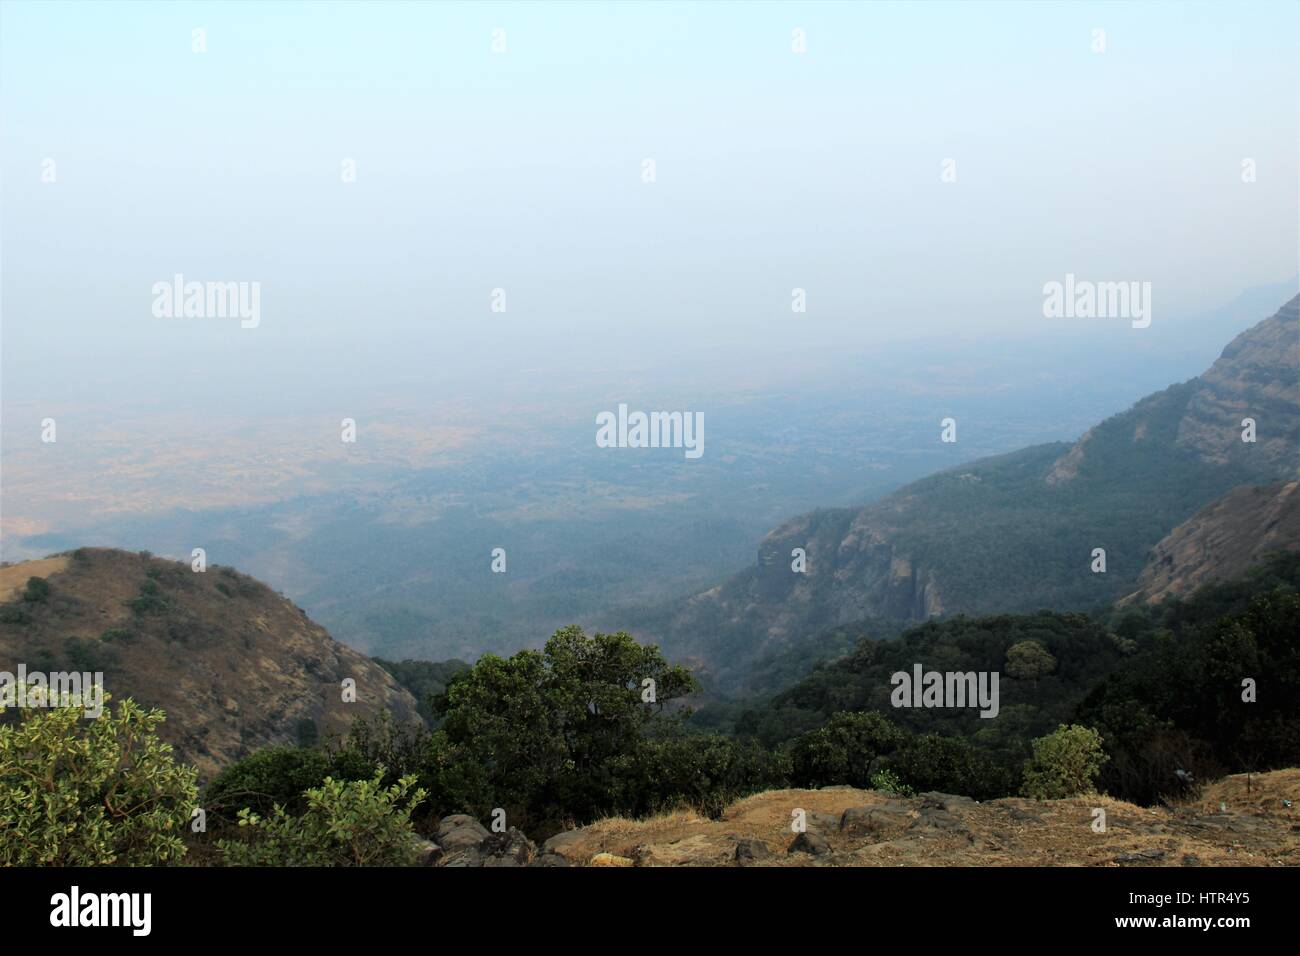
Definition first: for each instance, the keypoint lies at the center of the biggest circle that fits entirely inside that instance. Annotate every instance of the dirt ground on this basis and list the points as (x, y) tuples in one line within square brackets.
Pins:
[(1225, 826)]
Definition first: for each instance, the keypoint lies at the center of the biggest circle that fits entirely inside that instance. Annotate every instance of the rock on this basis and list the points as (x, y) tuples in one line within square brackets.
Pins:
[(1142, 856), (823, 821), (933, 818), (810, 842), (550, 859), (749, 850), (945, 801), (460, 831), (609, 859), (428, 853), (511, 848), (872, 819), (562, 841), (460, 859)]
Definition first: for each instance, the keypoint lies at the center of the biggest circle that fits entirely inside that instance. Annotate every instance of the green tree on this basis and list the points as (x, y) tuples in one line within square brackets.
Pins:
[(844, 751), (37, 591), (273, 775), (346, 823), (542, 734), (76, 791), (1029, 660), (1065, 763)]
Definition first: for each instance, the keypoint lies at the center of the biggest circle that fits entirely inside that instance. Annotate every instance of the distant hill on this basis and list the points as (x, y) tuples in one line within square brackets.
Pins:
[(1014, 532), (235, 665), (1221, 541)]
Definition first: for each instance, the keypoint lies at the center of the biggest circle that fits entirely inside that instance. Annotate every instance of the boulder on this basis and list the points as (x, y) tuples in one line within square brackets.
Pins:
[(749, 850), (873, 819), (459, 832), (511, 848), (810, 842), (427, 853)]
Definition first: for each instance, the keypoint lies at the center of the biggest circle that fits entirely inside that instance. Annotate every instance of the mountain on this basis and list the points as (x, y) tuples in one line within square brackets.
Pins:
[(235, 665), (1016, 532), (1221, 541)]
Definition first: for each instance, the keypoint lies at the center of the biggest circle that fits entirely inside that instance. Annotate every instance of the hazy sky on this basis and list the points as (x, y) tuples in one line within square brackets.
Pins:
[(523, 170)]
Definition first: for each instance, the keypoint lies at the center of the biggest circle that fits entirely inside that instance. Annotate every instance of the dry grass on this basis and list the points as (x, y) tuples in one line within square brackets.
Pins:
[(13, 579)]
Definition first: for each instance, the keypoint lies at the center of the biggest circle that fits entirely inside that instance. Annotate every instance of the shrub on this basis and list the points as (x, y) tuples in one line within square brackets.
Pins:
[(950, 765), (37, 591), (844, 751), (84, 792), (1065, 763), (346, 823), (275, 775), (890, 782)]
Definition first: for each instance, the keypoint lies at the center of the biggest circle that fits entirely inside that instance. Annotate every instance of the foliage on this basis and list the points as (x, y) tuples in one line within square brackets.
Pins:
[(889, 782), (844, 751), (271, 776), (345, 823), (1065, 763), (949, 765), (76, 791), (37, 590)]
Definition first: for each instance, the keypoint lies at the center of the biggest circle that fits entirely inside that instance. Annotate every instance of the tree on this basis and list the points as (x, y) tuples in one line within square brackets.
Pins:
[(76, 791), (1029, 660), (1065, 763), (844, 751), (346, 823), (540, 733)]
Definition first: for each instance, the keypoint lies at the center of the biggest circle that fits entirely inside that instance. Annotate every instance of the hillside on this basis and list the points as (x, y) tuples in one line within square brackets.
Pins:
[(1221, 541), (1231, 824), (235, 665), (1014, 532)]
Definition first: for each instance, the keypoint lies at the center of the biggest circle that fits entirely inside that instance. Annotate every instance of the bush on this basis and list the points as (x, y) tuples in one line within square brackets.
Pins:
[(844, 751), (86, 792), (706, 773), (275, 775), (950, 765), (1065, 763), (37, 591), (346, 823), (889, 782)]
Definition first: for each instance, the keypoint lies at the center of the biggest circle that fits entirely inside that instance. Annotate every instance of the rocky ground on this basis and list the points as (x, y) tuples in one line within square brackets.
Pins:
[(1233, 823)]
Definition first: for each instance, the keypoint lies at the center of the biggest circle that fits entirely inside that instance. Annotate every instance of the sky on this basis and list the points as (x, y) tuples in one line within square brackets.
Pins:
[(523, 170)]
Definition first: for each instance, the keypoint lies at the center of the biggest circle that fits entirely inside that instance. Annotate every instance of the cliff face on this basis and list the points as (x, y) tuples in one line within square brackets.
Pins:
[(1258, 377), (235, 665), (1222, 541), (1016, 532)]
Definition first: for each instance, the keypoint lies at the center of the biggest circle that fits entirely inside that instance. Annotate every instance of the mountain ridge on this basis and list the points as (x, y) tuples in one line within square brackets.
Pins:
[(1014, 532)]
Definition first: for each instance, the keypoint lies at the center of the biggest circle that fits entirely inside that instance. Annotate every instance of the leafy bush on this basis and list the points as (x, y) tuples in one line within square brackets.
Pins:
[(541, 734), (37, 591), (1065, 763), (950, 765), (275, 775), (706, 773), (889, 782), (346, 823), (844, 751), (84, 792)]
